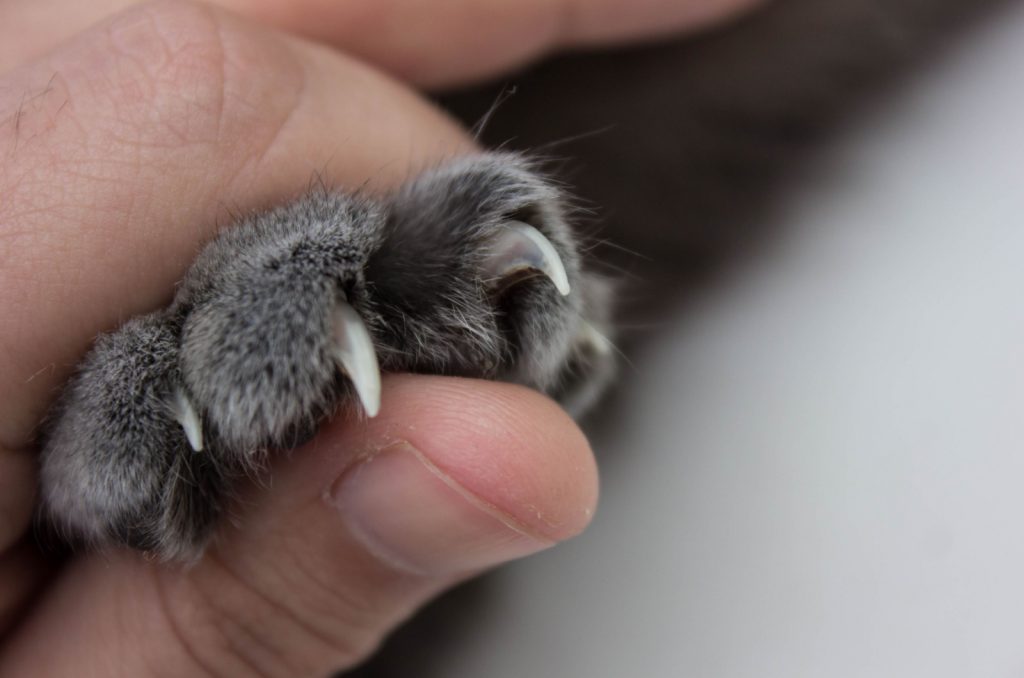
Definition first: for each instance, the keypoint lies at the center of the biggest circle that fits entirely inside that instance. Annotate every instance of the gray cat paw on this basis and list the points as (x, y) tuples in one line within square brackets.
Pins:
[(469, 269)]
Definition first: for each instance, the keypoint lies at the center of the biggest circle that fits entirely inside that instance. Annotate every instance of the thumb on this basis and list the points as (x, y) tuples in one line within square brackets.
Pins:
[(353, 532)]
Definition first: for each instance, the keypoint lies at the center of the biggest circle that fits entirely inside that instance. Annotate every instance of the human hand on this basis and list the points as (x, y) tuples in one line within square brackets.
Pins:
[(123, 150)]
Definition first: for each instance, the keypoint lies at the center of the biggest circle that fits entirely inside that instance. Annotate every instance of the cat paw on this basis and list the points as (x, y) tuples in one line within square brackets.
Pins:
[(469, 269)]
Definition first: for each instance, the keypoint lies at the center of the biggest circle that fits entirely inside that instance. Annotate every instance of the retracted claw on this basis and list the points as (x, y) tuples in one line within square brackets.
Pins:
[(186, 415), (353, 349), (519, 247)]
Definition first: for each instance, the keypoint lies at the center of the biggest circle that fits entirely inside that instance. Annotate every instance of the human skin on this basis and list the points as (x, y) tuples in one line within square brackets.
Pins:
[(123, 150), (428, 44)]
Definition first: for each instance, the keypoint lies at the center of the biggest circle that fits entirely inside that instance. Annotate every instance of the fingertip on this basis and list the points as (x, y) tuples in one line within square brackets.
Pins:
[(512, 448)]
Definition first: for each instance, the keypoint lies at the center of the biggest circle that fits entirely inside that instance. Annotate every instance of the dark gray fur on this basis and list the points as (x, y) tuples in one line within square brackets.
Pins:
[(248, 339)]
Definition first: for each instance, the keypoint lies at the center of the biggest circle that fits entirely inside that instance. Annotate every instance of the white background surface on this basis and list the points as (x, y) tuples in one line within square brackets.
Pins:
[(821, 471)]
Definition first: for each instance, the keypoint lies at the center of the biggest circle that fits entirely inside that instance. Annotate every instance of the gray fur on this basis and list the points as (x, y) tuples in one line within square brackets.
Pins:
[(248, 340), (116, 465), (256, 341)]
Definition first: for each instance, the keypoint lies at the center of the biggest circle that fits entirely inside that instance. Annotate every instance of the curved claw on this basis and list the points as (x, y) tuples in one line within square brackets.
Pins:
[(185, 414), (354, 351), (520, 247)]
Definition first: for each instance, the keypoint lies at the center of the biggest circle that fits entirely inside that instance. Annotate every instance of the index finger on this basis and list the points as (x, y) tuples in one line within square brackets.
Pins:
[(428, 43), (125, 149)]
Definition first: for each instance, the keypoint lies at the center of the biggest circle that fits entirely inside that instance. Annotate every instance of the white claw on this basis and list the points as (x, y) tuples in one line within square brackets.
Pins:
[(520, 247), (186, 415), (354, 351)]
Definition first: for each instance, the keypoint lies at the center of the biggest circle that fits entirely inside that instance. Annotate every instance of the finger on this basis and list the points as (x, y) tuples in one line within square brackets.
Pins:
[(448, 43), (357, 529), (428, 43), (124, 150)]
